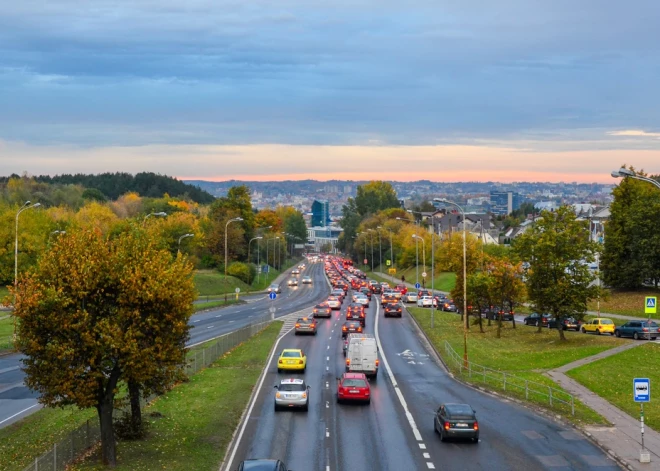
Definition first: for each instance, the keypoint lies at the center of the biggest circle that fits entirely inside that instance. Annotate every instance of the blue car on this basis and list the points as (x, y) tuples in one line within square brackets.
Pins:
[(638, 330)]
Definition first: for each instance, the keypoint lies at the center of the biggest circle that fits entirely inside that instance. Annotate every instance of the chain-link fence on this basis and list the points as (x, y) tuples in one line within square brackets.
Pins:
[(88, 434), (531, 390)]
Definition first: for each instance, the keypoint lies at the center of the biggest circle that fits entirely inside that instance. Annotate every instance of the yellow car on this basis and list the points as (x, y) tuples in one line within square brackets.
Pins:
[(292, 359), (599, 325)]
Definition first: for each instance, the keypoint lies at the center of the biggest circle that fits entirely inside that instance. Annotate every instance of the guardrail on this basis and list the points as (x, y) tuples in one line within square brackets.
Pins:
[(508, 381), (81, 439)]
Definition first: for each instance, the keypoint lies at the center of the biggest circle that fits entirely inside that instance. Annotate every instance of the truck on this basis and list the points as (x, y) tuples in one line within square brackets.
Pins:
[(362, 355)]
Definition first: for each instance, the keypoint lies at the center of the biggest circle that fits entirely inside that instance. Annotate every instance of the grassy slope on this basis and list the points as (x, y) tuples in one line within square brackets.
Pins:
[(521, 351), (612, 379), (627, 303), (199, 417), (6, 330)]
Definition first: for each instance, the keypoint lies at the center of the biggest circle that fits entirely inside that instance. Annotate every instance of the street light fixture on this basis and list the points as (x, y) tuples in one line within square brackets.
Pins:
[(416, 250), (226, 250), (26, 205), (465, 314), (250, 242), (159, 214), (417, 238), (624, 173), (184, 236), (380, 248)]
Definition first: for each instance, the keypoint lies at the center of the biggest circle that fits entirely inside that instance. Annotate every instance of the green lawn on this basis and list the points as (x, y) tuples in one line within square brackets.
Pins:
[(219, 303), (626, 303), (4, 292), (6, 330), (612, 379), (192, 425), (521, 351)]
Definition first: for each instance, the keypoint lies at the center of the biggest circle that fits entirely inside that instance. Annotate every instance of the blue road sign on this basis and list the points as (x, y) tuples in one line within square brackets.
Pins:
[(417, 285), (642, 389), (272, 295)]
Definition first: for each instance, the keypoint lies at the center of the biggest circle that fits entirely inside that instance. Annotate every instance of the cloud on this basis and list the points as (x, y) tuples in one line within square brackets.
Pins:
[(635, 133)]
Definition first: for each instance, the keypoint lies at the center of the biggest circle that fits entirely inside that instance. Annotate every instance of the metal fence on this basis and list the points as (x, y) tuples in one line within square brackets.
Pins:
[(88, 434), (511, 383)]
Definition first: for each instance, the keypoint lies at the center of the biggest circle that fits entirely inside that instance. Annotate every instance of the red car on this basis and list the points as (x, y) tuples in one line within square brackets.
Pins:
[(401, 289), (353, 387)]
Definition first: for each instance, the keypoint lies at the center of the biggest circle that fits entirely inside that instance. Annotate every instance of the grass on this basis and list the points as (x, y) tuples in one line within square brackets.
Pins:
[(197, 419), (443, 281), (612, 379), (626, 303), (4, 292), (6, 331), (213, 304), (521, 351)]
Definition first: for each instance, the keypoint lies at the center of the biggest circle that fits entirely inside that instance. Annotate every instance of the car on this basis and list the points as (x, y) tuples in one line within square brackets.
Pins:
[(322, 310), (448, 306), (292, 282), (366, 291), (386, 298), (392, 309), (305, 325), (306, 280), (599, 325), (292, 393), (292, 359), (401, 288), (456, 421), (351, 327), (355, 312), (362, 354), (301, 266), (274, 288), (567, 323), (638, 330), (410, 297), (384, 285), (535, 319), (339, 293), (353, 387), (424, 292), (362, 300), (295, 271), (425, 301), (333, 303), (262, 465), (376, 288)]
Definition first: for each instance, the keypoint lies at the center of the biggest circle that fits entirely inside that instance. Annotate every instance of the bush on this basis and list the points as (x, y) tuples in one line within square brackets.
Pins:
[(242, 271)]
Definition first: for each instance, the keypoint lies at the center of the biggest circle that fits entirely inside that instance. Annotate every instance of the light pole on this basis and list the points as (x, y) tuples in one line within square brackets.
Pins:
[(226, 249), (391, 251), (184, 236), (250, 242), (26, 205), (417, 238), (624, 173), (371, 239), (465, 314), (380, 248), (56, 232), (416, 251)]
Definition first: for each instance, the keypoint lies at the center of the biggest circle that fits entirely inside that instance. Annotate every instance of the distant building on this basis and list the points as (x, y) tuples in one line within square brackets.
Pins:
[(322, 237), (320, 214), (504, 202)]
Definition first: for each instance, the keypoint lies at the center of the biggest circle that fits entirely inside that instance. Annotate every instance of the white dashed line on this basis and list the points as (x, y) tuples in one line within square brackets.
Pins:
[(327, 404), (219, 316), (197, 320), (426, 455), (328, 347), (327, 368), (327, 433), (231, 321), (327, 385), (210, 327), (327, 358), (430, 465), (422, 446)]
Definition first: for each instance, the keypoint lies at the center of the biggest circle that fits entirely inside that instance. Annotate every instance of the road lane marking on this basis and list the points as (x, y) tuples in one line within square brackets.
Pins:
[(328, 347), (327, 433), (430, 465), (219, 315), (327, 404), (327, 385), (197, 320), (327, 358), (426, 455), (231, 321), (422, 446), (18, 413), (327, 368), (12, 368), (210, 327)]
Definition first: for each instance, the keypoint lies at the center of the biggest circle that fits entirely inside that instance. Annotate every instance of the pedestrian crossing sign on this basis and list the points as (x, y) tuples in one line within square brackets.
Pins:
[(651, 305)]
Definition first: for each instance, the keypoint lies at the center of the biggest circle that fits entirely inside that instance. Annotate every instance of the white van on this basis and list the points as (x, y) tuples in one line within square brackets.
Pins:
[(362, 355)]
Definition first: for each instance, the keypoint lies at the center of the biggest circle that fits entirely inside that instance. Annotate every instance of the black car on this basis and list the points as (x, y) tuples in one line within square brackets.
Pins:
[(262, 465), (456, 421), (366, 291), (355, 312), (351, 327), (449, 307), (392, 309), (494, 313), (376, 289), (537, 319), (567, 323)]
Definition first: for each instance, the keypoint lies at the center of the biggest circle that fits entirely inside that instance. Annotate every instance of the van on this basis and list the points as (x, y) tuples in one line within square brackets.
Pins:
[(362, 355)]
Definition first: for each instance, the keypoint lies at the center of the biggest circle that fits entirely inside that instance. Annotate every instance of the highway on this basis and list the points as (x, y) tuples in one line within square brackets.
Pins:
[(17, 401), (395, 432)]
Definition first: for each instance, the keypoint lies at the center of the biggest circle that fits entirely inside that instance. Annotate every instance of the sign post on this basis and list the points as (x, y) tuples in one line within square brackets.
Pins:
[(642, 394), (272, 295), (650, 305), (417, 285), (238, 290)]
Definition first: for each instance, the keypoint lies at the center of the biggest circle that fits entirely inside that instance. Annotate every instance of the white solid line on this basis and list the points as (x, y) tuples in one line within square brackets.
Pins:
[(12, 368), (219, 315), (254, 400), (426, 455), (430, 465), (19, 413), (411, 420)]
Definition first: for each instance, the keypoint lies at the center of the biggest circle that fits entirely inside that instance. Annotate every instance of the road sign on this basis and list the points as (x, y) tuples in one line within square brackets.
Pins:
[(272, 295), (424, 275), (392, 271), (417, 285), (238, 290), (388, 262), (642, 389), (366, 262), (272, 309), (651, 305)]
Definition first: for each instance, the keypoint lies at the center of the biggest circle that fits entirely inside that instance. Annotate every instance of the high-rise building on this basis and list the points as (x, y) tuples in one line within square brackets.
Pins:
[(504, 202), (320, 213)]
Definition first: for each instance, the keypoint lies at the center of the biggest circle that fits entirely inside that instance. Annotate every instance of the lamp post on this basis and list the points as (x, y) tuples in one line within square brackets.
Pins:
[(371, 239), (184, 236), (159, 214), (416, 249), (226, 249), (380, 248), (417, 238), (26, 205), (625, 173), (250, 242), (465, 314), (391, 251)]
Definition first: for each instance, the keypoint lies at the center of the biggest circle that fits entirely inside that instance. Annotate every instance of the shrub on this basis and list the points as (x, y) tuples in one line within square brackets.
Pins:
[(242, 271)]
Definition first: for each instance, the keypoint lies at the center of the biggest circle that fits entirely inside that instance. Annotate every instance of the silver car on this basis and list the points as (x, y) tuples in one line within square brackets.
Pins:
[(291, 393), (410, 297), (307, 280)]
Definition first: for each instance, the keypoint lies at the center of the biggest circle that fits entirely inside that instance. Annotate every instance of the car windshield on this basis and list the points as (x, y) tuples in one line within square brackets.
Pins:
[(304, 321), (292, 387), (291, 354), (273, 286), (354, 383), (459, 410), (352, 325)]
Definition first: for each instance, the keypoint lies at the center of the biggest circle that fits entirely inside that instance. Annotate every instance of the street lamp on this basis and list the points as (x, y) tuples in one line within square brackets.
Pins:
[(465, 314), (380, 248), (624, 172), (159, 214), (414, 212), (371, 239), (226, 251), (417, 238), (416, 250), (184, 236), (254, 238), (391, 250), (26, 205)]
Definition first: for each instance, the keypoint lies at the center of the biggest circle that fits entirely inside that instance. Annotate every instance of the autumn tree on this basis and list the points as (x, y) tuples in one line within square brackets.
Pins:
[(96, 312), (479, 294), (507, 289), (558, 249)]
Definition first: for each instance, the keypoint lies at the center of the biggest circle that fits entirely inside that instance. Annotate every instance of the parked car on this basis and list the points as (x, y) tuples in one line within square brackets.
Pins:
[(292, 393), (425, 301), (456, 421), (305, 325), (353, 387), (536, 319), (638, 330), (392, 310), (567, 323), (599, 325), (449, 307)]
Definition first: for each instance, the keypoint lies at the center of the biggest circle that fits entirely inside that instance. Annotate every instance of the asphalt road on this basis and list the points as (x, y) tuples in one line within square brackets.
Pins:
[(395, 432), (17, 401)]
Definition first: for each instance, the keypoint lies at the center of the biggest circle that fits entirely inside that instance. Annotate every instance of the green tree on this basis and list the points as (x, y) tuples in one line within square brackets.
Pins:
[(375, 196), (96, 312), (507, 288), (479, 294), (558, 250)]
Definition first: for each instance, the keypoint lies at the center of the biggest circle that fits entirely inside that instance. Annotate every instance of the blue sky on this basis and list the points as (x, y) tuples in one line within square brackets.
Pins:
[(112, 85)]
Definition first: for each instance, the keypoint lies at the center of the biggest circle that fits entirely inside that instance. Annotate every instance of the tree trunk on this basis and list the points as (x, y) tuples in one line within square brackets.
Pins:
[(104, 408), (540, 326), (499, 326), (562, 336), (136, 411), (481, 324)]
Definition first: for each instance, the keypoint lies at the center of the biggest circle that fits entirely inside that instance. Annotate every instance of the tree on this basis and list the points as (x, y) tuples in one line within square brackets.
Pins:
[(479, 294), (558, 249), (507, 288), (99, 311), (375, 196)]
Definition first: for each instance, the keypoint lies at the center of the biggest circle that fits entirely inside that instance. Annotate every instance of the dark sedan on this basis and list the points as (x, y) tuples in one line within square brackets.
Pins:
[(456, 421), (262, 465), (537, 319), (638, 330), (567, 323), (392, 309), (449, 307), (351, 327)]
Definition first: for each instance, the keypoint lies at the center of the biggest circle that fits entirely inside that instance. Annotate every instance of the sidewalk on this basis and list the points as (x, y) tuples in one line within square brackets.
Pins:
[(623, 439)]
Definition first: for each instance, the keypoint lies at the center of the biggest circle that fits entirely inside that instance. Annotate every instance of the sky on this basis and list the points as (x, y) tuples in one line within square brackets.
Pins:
[(476, 90)]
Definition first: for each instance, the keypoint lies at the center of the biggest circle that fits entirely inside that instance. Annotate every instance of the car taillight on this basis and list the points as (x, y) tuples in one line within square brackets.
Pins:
[(348, 361), (300, 362), (359, 329), (446, 425), (362, 314), (476, 426), (304, 395), (343, 328), (281, 361), (297, 325), (377, 362), (645, 329)]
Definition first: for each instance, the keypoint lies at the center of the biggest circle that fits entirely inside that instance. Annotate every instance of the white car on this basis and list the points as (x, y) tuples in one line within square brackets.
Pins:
[(425, 301), (334, 303), (362, 300), (307, 280), (292, 282), (410, 297), (295, 271)]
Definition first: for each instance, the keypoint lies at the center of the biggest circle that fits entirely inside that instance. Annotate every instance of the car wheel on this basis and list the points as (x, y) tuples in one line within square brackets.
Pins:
[(368, 401), (277, 408), (305, 368), (476, 439), (338, 400), (635, 336), (584, 331), (306, 407), (598, 332), (617, 333), (279, 370)]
